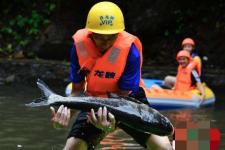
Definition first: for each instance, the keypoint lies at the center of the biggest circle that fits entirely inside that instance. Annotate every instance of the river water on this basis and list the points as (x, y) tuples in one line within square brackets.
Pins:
[(31, 129)]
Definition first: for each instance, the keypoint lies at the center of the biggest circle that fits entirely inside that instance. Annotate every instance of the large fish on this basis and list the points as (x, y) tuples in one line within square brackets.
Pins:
[(126, 110)]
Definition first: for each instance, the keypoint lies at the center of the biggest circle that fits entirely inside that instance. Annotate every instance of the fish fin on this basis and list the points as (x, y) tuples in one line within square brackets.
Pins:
[(46, 92)]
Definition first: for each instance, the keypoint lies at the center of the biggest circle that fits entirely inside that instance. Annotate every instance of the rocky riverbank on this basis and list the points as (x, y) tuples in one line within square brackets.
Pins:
[(26, 71)]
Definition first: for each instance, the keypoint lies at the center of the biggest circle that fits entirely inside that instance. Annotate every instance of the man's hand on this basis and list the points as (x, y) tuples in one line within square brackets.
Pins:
[(60, 118), (101, 121)]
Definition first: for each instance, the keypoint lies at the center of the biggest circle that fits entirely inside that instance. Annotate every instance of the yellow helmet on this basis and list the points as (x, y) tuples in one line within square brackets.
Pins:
[(105, 18)]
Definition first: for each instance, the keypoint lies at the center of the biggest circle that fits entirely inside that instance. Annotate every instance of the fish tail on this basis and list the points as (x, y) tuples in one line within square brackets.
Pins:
[(46, 92)]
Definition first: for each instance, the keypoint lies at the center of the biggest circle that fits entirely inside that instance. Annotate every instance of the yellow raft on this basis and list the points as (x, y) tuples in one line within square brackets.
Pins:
[(171, 99)]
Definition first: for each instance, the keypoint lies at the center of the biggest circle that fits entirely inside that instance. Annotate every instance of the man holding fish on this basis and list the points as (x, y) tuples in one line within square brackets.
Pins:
[(104, 59)]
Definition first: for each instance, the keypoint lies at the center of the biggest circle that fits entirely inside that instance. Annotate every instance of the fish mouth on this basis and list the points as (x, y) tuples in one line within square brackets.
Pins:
[(38, 102)]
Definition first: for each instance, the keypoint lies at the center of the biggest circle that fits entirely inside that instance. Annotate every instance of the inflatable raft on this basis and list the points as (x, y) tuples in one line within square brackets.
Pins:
[(170, 99)]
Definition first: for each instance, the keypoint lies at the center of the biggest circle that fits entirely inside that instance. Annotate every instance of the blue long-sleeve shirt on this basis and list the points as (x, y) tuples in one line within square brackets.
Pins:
[(130, 77)]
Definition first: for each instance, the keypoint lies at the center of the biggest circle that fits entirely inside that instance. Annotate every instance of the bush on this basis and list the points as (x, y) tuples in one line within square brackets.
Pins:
[(22, 22)]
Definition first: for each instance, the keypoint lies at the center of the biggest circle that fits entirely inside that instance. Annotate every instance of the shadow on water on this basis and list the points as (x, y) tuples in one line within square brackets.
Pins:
[(31, 128)]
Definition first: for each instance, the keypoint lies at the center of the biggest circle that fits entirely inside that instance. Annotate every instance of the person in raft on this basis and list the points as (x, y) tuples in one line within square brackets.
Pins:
[(104, 58), (187, 77), (188, 44)]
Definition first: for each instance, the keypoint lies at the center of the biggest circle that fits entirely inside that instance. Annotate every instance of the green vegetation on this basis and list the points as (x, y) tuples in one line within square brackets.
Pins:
[(22, 22), (34, 27)]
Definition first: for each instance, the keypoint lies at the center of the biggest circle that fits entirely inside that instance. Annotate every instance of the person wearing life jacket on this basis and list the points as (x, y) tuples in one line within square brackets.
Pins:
[(104, 59), (187, 77), (187, 44)]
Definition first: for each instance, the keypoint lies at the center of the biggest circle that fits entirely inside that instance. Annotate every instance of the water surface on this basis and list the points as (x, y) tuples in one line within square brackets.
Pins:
[(31, 128)]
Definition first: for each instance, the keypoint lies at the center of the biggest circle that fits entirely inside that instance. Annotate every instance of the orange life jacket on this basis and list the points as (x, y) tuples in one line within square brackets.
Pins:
[(183, 78), (104, 70)]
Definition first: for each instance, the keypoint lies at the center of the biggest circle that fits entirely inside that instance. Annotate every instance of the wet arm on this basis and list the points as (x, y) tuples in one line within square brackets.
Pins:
[(201, 89), (198, 83)]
